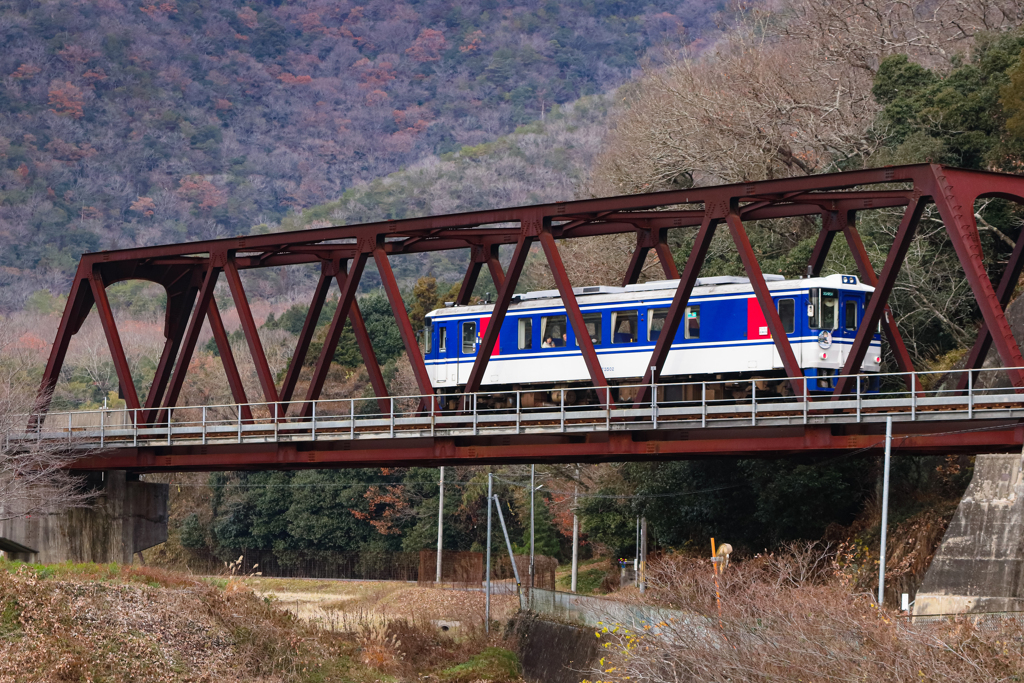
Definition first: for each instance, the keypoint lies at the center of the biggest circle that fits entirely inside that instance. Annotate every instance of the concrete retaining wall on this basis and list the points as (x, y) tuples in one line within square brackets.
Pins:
[(127, 516), (979, 567), (552, 652)]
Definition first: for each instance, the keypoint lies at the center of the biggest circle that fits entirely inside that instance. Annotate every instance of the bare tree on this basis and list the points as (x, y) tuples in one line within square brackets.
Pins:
[(34, 475)]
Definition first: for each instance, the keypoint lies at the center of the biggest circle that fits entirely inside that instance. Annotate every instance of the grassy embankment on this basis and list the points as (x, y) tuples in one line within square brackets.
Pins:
[(112, 623)]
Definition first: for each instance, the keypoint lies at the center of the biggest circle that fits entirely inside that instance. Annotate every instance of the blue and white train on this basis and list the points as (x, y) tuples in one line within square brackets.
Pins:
[(723, 338)]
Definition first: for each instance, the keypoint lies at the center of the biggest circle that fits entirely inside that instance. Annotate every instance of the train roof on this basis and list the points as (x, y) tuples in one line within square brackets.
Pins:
[(660, 289)]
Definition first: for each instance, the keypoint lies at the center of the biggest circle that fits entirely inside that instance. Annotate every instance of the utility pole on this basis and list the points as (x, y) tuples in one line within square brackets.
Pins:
[(885, 510), (487, 591), (440, 527), (575, 530), (643, 554), (533, 491), (636, 558)]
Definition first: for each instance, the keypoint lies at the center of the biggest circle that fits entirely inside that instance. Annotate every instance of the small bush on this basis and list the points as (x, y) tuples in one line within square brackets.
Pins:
[(494, 664)]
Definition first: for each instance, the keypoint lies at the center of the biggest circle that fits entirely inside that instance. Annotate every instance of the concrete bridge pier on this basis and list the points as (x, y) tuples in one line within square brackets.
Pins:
[(979, 566), (126, 517)]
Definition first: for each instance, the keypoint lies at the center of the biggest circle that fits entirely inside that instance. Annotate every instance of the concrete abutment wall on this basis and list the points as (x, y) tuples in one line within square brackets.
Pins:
[(126, 517), (979, 566)]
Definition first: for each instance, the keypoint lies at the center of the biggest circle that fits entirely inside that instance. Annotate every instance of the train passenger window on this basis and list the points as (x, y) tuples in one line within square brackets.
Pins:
[(692, 329), (823, 309), (525, 333), (624, 326), (428, 336), (655, 322), (592, 321), (787, 311), (850, 315), (553, 331), (442, 338), (468, 337)]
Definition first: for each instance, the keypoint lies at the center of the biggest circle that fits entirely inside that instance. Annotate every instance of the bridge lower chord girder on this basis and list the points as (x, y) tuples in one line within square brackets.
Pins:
[(189, 272), (938, 438)]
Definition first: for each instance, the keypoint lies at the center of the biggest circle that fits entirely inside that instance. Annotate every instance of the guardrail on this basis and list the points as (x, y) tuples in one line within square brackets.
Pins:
[(710, 404)]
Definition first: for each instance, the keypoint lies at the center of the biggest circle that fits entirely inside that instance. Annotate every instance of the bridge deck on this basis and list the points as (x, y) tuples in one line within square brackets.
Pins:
[(356, 432)]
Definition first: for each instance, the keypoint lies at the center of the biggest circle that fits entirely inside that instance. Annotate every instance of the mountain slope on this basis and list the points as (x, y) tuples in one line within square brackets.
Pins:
[(127, 123)]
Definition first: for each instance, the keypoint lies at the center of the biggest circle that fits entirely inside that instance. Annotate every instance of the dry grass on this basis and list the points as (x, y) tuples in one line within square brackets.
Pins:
[(793, 617), (112, 623)]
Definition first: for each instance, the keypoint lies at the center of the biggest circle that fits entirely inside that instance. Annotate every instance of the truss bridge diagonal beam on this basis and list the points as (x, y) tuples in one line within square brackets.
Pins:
[(412, 347), (887, 280), (842, 218), (346, 298), (252, 336), (121, 367), (195, 325), (189, 271), (764, 298), (501, 304), (575, 315), (227, 359), (1007, 283), (677, 308)]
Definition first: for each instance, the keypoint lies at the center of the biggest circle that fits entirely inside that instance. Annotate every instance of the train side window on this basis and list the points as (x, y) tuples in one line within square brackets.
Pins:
[(468, 337), (823, 309), (442, 338), (553, 331), (624, 326), (525, 333), (692, 329), (592, 321), (655, 322), (850, 315), (787, 312), (428, 336)]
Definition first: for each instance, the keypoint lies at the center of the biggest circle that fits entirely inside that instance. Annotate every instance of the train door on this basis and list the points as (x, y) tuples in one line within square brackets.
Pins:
[(787, 308), (447, 362), (759, 356), (467, 349), (849, 312)]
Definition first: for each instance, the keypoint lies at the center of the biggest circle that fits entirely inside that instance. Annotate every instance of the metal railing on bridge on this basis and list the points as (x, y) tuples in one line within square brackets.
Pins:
[(924, 396)]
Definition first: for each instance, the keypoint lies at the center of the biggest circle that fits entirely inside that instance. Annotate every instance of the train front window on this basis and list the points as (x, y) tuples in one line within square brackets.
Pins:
[(850, 315), (468, 337), (787, 312), (525, 333), (656, 322), (553, 331), (692, 329), (822, 311), (624, 327)]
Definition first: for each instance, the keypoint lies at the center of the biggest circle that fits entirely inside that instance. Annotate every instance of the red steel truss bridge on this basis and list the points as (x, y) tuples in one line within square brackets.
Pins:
[(959, 413)]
